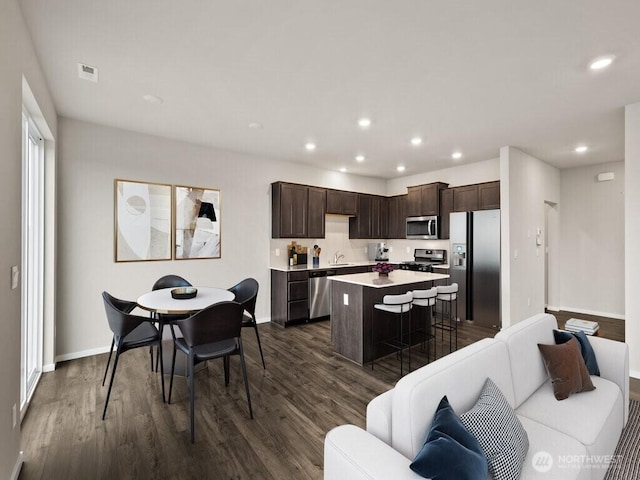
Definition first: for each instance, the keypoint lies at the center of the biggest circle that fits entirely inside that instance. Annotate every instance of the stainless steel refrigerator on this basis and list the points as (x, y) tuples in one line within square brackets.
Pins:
[(475, 265)]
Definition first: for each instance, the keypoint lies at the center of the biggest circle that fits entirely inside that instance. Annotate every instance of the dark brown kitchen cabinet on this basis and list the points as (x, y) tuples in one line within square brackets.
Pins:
[(446, 207), (289, 297), (423, 200), (297, 211), (397, 216), (489, 195), (465, 199), (340, 202), (369, 217), (317, 209), (290, 207)]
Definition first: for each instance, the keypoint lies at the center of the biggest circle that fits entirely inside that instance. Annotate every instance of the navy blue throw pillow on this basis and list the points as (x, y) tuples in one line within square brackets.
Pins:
[(450, 452), (586, 349)]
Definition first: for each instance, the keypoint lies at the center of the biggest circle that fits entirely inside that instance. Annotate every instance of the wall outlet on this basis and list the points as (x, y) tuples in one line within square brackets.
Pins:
[(277, 252), (345, 299), (14, 412)]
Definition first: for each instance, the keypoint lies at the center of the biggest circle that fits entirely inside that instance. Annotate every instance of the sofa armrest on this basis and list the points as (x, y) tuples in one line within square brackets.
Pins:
[(379, 417), (350, 452), (613, 361)]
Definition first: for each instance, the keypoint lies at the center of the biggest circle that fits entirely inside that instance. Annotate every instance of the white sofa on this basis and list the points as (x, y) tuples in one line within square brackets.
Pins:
[(578, 433)]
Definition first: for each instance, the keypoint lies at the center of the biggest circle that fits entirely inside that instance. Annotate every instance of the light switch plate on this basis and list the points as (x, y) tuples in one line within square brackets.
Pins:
[(345, 299), (15, 277), (277, 252)]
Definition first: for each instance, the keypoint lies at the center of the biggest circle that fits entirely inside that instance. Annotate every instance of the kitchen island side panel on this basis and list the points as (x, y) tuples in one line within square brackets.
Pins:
[(346, 320)]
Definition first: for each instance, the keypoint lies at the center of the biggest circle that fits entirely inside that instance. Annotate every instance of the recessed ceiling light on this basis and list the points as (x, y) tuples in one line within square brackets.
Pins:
[(255, 125), (310, 146), (582, 149), (601, 62), (400, 168), (154, 99), (416, 141), (343, 169), (364, 122), (359, 158), (456, 155)]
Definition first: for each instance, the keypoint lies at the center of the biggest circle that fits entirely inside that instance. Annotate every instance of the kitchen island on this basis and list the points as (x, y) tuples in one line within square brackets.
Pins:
[(352, 300)]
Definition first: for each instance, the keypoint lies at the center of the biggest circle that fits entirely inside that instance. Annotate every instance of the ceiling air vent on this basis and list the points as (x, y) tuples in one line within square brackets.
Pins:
[(87, 72)]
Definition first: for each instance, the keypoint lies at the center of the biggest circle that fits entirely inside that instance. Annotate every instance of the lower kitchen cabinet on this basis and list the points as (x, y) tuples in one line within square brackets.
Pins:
[(289, 297)]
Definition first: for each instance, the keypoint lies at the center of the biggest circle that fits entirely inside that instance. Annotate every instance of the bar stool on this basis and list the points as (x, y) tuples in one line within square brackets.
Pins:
[(425, 300), (397, 305), (448, 296)]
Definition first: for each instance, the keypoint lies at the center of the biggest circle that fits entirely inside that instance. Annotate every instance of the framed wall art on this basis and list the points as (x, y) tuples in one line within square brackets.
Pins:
[(197, 223), (142, 221)]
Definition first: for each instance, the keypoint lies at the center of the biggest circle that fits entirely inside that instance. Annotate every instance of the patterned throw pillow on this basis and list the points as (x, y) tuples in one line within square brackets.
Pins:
[(503, 438)]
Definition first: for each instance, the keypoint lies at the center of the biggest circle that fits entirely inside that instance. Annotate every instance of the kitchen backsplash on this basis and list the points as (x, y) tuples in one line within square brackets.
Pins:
[(337, 240)]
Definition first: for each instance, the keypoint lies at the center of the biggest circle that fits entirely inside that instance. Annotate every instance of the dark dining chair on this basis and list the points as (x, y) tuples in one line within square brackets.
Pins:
[(168, 281), (209, 334), (129, 332), (246, 293)]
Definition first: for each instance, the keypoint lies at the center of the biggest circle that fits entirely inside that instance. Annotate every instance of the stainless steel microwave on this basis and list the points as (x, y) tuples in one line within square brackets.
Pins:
[(422, 228)]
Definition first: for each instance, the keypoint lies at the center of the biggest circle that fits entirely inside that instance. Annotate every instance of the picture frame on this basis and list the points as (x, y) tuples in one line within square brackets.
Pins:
[(142, 216), (197, 221)]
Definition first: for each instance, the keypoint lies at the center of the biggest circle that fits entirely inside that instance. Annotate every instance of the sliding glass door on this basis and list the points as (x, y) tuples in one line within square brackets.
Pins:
[(32, 258)]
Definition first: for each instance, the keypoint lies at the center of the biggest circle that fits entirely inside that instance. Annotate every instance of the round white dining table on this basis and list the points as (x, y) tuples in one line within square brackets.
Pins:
[(161, 301)]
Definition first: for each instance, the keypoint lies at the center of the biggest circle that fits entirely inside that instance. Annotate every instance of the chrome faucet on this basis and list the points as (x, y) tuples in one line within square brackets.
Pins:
[(337, 257)]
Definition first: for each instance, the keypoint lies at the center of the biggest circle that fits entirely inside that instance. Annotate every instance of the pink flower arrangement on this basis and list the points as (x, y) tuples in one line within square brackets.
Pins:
[(383, 267)]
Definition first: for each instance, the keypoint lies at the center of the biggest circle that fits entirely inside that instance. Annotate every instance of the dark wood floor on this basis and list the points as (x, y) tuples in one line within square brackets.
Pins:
[(305, 391)]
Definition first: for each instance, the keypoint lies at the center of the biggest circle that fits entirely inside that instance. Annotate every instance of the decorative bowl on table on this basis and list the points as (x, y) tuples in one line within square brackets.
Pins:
[(383, 268), (184, 293)]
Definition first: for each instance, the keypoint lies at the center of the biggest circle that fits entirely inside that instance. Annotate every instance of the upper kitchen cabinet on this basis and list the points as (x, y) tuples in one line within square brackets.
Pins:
[(297, 211), (446, 207), (342, 203), (481, 196), (423, 200), (369, 219), (317, 209), (465, 199), (489, 195), (396, 213)]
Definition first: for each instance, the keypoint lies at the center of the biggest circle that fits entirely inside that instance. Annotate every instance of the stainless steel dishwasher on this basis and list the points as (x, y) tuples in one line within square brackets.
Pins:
[(320, 293)]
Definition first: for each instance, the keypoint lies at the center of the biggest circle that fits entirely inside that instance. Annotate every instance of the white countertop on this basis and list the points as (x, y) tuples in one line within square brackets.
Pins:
[(397, 277), (322, 266)]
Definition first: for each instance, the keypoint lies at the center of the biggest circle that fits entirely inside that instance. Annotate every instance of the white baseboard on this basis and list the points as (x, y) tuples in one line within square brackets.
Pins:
[(84, 353), (616, 316), (634, 374), (263, 320), (17, 467), (48, 368)]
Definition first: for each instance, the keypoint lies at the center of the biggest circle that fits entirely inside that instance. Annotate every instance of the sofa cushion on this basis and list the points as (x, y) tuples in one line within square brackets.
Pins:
[(494, 423), (586, 350), (526, 362), (591, 417), (460, 376), (450, 452), (566, 368), (551, 454)]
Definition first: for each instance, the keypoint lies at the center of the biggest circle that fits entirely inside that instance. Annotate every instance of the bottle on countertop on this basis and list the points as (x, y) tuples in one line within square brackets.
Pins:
[(292, 256)]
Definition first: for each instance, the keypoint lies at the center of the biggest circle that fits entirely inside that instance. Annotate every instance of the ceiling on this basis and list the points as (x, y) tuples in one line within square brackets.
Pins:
[(465, 76)]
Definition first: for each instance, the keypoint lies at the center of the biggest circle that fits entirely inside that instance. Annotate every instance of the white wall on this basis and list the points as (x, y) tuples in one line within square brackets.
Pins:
[(17, 58), (526, 184), (632, 235), (92, 156), (592, 232)]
